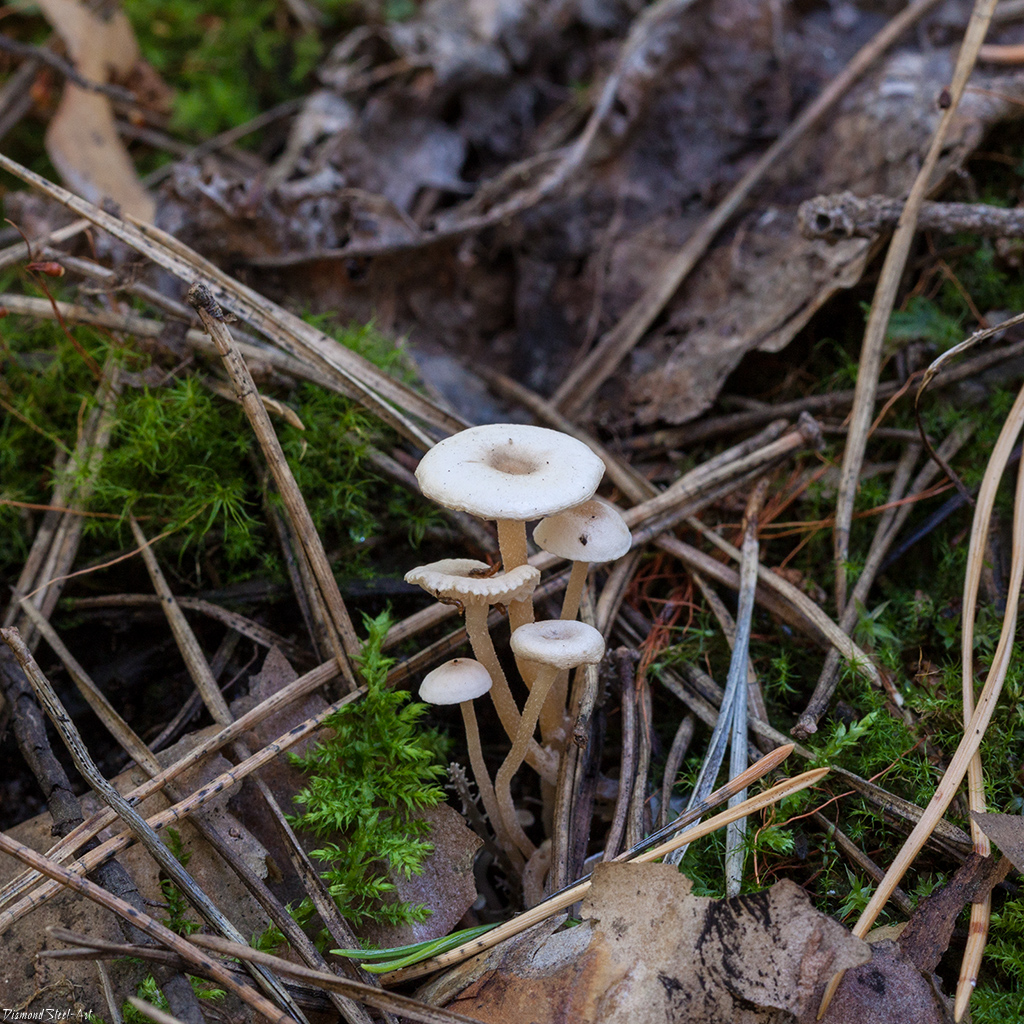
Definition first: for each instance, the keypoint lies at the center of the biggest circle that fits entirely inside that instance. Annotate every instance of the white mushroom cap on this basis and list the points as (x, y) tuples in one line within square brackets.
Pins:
[(591, 532), (464, 580), (455, 681), (561, 643), (509, 471)]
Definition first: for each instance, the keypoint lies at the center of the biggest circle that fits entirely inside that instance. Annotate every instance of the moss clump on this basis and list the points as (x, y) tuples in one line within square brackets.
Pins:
[(226, 61), (183, 460), (376, 768)]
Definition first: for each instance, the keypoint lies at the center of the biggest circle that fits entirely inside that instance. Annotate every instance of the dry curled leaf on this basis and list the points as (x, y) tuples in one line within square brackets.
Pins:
[(649, 952)]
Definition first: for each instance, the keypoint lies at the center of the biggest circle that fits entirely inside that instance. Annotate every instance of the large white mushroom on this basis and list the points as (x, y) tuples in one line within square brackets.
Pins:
[(553, 646)]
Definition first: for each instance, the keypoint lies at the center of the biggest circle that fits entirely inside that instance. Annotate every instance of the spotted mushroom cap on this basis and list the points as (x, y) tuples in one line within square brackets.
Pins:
[(591, 532), (455, 681), (466, 579), (509, 471), (558, 642)]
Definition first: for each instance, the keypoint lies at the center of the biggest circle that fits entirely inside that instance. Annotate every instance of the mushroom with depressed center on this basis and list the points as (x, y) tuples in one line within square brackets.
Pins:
[(510, 473), (469, 583), (460, 681), (553, 645)]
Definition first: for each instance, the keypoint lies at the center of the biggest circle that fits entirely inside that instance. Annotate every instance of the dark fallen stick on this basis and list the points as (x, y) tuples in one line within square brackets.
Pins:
[(844, 215), (68, 70)]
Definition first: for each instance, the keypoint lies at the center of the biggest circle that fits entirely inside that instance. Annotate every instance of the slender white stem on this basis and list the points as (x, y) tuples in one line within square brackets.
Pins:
[(503, 781), (574, 589), (541, 761), (552, 715), (483, 778), (512, 544)]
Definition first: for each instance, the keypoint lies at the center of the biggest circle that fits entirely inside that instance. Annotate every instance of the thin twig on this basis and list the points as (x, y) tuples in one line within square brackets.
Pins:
[(55, 547), (845, 215), (293, 691), (195, 662), (94, 697), (139, 827), (638, 822), (980, 912), (885, 298), (65, 68), (625, 663), (739, 665), (674, 761), (791, 595), (883, 537), (834, 402), (862, 860), (298, 511), (248, 628), (403, 1006), (731, 727), (974, 731), (889, 526), (371, 386), (138, 919)]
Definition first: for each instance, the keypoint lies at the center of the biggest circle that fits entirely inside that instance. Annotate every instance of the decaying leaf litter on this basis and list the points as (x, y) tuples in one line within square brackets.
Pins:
[(618, 247)]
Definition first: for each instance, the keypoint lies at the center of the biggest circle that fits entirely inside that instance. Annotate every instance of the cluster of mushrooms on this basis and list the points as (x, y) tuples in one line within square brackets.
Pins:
[(513, 474)]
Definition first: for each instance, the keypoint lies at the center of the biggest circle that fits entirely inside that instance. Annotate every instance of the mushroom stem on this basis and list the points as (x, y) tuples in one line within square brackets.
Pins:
[(512, 544), (535, 873), (484, 652), (543, 679), (483, 780), (574, 590), (541, 761), (552, 715)]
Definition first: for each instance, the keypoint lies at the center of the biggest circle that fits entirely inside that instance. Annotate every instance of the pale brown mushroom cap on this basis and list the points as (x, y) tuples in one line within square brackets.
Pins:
[(455, 681), (461, 579), (509, 471), (560, 643), (593, 531)]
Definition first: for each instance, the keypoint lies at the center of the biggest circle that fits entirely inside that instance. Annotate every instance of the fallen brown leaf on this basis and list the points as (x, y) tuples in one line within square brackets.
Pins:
[(887, 989), (82, 139), (649, 951), (1007, 832)]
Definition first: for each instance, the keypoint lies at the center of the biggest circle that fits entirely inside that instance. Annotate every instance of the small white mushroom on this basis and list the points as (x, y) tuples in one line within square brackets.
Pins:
[(468, 582), (460, 681), (553, 645), (593, 531)]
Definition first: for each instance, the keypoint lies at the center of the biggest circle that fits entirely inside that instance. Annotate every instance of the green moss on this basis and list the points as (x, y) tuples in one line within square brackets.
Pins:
[(377, 767), (149, 991), (227, 60), (184, 460)]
